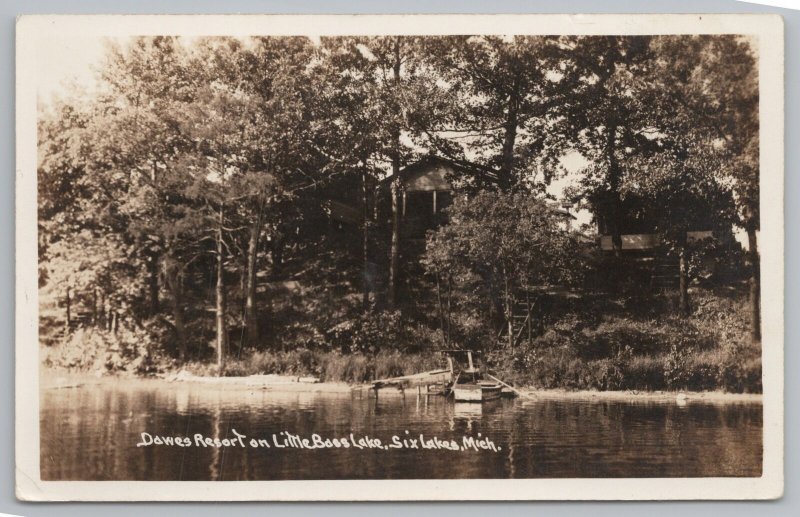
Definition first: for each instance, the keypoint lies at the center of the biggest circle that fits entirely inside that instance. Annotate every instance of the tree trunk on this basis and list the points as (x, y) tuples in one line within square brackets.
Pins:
[(508, 310), (615, 208), (175, 284), (449, 315), (616, 232), (152, 283), (394, 253), (529, 318), (180, 325), (683, 281), (69, 310), (441, 308), (506, 176), (755, 284), (94, 307), (376, 216), (365, 243), (222, 326), (276, 250), (251, 307), (102, 310)]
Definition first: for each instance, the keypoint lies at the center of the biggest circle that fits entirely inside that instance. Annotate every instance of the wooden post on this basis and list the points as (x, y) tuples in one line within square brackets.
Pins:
[(404, 202), (434, 202)]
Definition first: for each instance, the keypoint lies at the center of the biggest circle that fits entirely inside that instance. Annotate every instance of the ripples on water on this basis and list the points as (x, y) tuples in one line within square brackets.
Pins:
[(90, 433)]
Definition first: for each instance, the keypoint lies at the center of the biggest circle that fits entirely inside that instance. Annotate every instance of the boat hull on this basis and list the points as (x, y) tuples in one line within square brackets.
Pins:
[(476, 392)]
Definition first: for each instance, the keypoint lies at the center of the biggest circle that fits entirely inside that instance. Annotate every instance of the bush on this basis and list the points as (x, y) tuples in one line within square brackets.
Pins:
[(131, 351), (677, 368), (621, 346), (366, 332)]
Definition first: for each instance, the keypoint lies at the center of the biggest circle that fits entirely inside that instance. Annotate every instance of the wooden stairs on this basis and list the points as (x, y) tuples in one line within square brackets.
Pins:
[(522, 323)]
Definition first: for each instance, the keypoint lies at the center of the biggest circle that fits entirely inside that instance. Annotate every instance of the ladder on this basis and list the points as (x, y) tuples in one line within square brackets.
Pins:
[(521, 320)]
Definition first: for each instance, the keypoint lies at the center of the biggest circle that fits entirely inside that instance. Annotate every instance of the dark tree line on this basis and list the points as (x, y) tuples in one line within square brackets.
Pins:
[(200, 167)]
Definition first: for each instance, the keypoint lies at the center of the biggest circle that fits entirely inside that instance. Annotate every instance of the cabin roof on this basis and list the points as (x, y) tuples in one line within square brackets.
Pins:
[(557, 209), (426, 173)]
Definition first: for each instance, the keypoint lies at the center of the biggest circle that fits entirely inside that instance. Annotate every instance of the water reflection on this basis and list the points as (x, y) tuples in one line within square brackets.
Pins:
[(92, 432)]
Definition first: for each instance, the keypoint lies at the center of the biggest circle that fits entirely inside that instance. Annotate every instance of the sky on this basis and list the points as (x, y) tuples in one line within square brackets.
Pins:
[(62, 61)]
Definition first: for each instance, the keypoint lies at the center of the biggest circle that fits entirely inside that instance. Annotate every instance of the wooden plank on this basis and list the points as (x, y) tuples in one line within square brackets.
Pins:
[(418, 379), (515, 390)]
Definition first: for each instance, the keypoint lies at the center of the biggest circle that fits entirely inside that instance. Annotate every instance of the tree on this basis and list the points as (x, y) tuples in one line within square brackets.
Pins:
[(707, 90), (380, 76), (499, 242), (146, 81), (275, 128), (491, 105), (681, 193), (606, 116), (116, 158)]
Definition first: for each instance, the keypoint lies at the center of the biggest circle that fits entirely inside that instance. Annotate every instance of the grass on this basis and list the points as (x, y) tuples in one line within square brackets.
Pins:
[(327, 366)]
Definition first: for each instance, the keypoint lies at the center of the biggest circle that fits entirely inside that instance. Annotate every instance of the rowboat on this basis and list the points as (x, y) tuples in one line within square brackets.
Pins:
[(480, 391), (469, 385)]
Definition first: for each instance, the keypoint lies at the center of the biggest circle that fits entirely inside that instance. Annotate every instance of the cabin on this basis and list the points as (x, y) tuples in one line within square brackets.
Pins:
[(639, 227), (644, 242), (647, 255), (425, 190), (428, 186)]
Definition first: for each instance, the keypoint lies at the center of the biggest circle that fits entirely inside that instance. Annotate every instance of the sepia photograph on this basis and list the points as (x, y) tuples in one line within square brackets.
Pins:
[(436, 252)]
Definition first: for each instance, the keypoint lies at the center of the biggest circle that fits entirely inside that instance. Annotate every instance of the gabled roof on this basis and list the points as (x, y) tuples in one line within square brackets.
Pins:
[(432, 159), (557, 209)]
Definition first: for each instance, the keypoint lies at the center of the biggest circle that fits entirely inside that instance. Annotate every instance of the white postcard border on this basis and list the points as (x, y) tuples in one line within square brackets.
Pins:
[(768, 29)]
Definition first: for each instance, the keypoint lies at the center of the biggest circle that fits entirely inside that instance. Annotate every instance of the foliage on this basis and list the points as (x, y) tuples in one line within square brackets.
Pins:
[(502, 238), (189, 198), (129, 351), (496, 243), (495, 96), (366, 333), (630, 350)]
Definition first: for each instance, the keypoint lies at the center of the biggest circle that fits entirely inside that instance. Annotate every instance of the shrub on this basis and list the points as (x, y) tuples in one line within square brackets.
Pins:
[(132, 351), (644, 373), (677, 368), (368, 332)]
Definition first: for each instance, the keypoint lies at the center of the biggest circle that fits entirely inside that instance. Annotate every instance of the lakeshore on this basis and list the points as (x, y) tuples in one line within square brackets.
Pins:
[(290, 383)]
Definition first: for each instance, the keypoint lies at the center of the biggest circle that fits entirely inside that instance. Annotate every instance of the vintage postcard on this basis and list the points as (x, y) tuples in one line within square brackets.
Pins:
[(439, 257)]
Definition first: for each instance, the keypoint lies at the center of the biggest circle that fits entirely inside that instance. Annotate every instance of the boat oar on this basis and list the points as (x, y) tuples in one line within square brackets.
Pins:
[(512, 388), (453, 386)]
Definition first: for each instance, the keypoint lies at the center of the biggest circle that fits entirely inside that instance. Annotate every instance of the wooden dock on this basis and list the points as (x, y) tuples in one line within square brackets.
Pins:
[(419, 380)]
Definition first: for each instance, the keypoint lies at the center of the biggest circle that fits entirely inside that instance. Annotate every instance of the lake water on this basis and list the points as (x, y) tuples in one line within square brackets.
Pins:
[(91, 433)]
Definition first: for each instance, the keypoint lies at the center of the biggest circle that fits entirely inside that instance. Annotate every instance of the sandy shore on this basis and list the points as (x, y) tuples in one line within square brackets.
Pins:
[(281, 383), (632, 396), (284, 383)]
